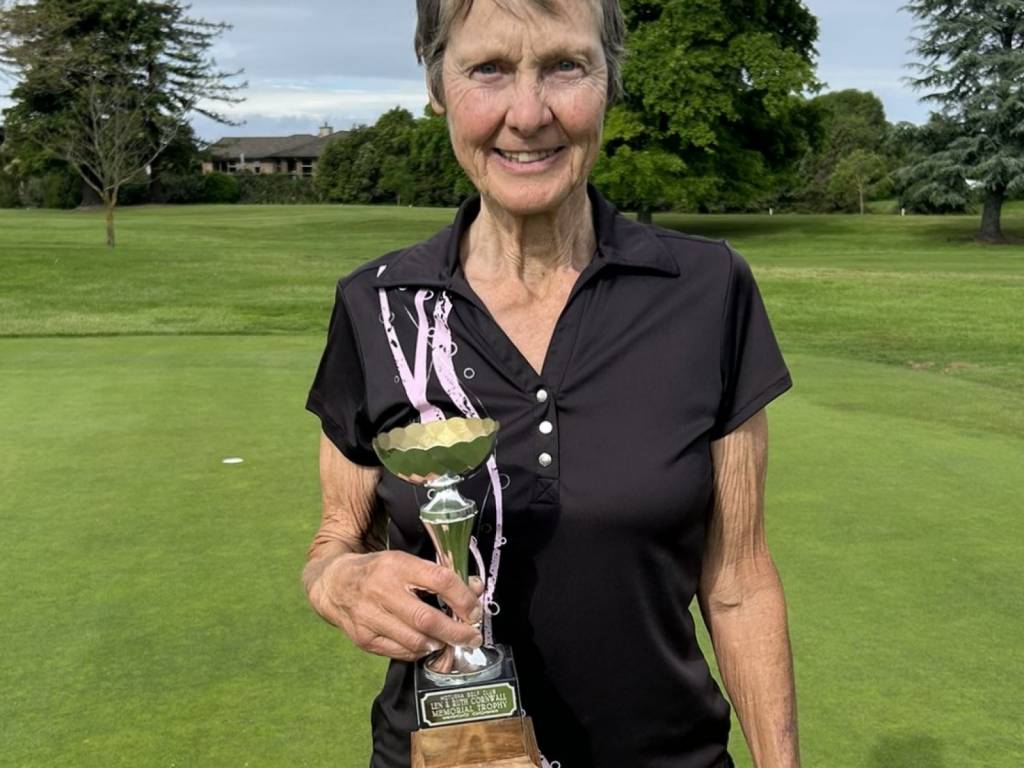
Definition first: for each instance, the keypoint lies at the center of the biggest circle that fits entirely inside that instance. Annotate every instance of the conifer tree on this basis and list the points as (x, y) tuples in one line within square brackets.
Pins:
[(972, 67), (106, 85)]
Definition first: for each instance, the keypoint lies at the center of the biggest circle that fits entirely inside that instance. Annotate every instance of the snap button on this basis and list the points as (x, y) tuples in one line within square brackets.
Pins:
[(546, 427), (544, 459), (542, 395)]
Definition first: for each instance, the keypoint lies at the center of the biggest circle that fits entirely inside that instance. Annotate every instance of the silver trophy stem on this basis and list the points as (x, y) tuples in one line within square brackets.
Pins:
[(449, 518)]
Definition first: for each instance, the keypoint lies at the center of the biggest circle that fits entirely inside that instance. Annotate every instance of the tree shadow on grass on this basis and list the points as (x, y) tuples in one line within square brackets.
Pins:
[(941, 231), (729, 227), (916, 750)]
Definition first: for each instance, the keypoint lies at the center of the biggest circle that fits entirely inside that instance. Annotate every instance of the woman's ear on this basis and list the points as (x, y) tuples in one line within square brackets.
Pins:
[(435, 105)]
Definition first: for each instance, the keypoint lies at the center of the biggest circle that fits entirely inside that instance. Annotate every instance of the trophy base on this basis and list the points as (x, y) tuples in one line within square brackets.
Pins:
[(478, 724), (505, 743), (471, 699)]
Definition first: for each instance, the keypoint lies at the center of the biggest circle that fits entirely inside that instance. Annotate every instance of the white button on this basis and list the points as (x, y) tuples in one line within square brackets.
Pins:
[(542, 395), (545, 427), (544, 459)]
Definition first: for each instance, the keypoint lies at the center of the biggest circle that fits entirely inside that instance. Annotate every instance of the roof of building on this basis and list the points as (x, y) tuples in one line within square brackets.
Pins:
[(271, 147)]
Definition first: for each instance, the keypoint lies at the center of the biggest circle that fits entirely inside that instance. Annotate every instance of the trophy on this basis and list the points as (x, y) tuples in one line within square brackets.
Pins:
[(468, 715)]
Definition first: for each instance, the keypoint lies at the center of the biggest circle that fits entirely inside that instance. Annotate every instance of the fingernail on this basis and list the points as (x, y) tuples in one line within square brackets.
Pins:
[(434, 646), (476, 615)]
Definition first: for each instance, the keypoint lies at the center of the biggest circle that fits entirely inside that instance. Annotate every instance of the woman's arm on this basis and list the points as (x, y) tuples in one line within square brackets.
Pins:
[(371, 594), (741, 598)]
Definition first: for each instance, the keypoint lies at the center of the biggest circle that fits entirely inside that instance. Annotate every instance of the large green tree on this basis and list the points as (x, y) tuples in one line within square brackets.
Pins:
[(106, 85), (440, 179), (713, 115), (399, 159), (395, 181), (849, 121), (972, 67), (342, 175)]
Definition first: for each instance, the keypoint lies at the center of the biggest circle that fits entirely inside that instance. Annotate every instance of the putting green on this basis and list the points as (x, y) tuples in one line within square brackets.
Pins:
[(153, 613)]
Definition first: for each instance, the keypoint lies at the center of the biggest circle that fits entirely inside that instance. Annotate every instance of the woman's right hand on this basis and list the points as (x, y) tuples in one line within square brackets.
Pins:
[(372, 598)]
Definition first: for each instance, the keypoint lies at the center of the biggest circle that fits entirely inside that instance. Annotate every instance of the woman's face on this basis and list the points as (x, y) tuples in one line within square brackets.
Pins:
[(525, 95)]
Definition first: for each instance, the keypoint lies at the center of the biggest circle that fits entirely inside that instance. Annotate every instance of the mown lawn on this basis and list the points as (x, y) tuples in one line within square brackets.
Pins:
[(152, 613)]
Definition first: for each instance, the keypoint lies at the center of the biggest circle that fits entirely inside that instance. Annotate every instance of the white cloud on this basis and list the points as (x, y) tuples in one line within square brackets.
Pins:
[(317, 102), (282, 106)]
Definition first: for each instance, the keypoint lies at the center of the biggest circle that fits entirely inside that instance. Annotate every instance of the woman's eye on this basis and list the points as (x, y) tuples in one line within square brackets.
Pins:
[(567, 65), (490, 68)]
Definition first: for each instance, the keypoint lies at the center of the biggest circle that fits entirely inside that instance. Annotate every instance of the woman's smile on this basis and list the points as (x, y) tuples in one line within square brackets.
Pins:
[(520, 162)]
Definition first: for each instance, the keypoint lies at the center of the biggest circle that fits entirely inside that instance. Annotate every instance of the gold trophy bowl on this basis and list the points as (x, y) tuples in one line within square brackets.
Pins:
[(419, 452)]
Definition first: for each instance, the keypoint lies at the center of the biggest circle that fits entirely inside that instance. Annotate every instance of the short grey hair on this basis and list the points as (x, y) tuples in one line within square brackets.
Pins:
[(436, 19)]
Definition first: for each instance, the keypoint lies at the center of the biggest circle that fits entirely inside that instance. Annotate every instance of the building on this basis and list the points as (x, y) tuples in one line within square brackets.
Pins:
[(295, 155)]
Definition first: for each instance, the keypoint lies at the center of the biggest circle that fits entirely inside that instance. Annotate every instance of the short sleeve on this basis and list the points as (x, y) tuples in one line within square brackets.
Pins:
[(338, 394), (753, 370)]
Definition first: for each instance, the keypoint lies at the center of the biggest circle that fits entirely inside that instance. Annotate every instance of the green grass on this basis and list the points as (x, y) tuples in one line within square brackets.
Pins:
[(151, 606), (153, 614), (903, 291)]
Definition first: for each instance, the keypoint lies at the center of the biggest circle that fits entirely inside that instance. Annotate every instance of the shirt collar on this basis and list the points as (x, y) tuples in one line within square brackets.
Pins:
[(620, 241)]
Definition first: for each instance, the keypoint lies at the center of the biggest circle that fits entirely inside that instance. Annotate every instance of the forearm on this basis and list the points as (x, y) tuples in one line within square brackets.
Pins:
[(751, 642), (351, 523), (334, 540)]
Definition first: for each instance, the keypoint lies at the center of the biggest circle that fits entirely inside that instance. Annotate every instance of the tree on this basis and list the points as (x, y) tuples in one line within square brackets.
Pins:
[(335, 173), (106, 73), (106, 140), (924, 179), (972, 67), (714, 84), (440, 179), (366, 167), (396, 181), (399, 159), (853, 176), (849, 120), (393, 134)]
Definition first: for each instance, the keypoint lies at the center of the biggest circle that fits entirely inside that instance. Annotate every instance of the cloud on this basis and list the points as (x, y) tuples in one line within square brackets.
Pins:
[(315, 101), (302, 105), (316, 38)]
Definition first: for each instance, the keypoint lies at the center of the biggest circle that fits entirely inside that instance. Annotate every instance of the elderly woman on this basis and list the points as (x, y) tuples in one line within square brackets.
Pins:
[(629, 367)]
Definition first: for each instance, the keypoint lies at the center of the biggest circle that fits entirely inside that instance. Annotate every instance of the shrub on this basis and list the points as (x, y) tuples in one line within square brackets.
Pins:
[(134, 193), (31, 192), (60, 189), (182, 189), (276, 188), (9, 197), (219, 188)]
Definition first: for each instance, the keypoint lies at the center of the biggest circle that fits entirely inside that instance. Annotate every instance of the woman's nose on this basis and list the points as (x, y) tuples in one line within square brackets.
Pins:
[(528, 111)]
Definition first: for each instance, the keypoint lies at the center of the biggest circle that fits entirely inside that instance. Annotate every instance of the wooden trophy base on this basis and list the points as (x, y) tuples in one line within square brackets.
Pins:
[(505, 743)]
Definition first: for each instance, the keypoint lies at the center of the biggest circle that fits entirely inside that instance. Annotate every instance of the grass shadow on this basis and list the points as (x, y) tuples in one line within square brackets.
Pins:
[(728, 227), (916, 750), (920, 231)]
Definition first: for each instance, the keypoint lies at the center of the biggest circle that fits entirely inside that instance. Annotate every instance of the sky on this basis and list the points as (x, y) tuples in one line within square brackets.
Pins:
[(344, 62)]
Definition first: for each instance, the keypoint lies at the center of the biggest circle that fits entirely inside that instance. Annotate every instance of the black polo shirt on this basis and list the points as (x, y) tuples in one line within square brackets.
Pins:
[(600, 486)]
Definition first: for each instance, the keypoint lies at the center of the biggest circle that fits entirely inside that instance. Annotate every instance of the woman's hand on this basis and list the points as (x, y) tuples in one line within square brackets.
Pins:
[(372, 598), (369, 593)]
